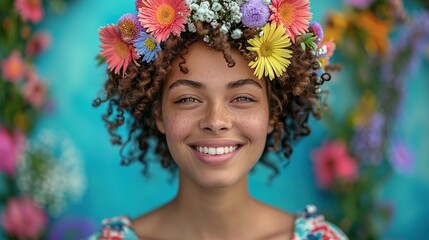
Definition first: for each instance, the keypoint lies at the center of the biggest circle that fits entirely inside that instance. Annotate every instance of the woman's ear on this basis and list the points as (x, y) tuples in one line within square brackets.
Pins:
[(270, 126), (157, 113)]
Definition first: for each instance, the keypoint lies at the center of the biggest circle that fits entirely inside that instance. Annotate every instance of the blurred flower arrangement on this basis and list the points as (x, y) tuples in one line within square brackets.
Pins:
[(381, 44), (38, 176)]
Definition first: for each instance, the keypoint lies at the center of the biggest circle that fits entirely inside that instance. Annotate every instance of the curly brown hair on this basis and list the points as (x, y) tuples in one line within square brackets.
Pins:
[(293, 97)]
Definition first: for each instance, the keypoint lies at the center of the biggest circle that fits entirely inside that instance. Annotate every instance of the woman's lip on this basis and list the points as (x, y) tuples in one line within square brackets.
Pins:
[(215, 160)]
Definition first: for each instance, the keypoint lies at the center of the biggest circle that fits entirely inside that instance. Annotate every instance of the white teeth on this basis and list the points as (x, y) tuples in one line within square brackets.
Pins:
[(212, 151), (220, 150), (216, 151)]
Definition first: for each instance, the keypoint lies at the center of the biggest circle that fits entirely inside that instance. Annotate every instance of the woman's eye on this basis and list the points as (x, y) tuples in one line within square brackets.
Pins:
[(243, 99), (187, 100)]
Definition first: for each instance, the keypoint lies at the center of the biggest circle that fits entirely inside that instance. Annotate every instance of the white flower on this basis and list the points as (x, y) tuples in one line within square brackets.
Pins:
[(214, 24), (201, 11), (194, 6), (216, 7), (237, 18), (236, 34), (210, 16), (205, 5), (51, 171), (234, 7), (189, 2), (224, 29), (191, 27), (206, 38)]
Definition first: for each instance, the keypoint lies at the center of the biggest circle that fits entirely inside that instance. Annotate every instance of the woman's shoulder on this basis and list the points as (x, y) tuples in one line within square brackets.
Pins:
[(311, 225)]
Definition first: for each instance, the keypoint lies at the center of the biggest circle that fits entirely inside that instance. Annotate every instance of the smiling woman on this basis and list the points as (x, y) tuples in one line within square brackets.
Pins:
[(215, 96)]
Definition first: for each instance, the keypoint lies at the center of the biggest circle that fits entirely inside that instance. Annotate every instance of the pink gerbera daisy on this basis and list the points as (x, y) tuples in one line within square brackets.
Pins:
[(117, 52), (30, 10), (293, 14), (139, 4), (163, 17)]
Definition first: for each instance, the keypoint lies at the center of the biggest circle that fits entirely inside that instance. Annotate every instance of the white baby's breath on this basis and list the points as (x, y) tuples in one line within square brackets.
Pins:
[(51, 171), (223, 15), (224, 29), (191, 27), (236, 34), (216, 7)]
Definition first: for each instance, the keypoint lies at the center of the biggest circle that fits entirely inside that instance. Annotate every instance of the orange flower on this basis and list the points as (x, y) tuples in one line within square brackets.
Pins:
[(336, 26), (13, 67), (377, 39)]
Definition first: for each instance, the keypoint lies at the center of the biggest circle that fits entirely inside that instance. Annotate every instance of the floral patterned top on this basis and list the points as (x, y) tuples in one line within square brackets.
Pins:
[(308, 226)]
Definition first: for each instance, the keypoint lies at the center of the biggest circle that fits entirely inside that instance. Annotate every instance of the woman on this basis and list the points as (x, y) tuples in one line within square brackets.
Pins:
[(215, 85)]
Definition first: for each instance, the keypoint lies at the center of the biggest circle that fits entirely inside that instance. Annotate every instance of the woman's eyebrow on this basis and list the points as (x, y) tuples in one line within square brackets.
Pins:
[(242, 82), (198, 85), (186, 82)]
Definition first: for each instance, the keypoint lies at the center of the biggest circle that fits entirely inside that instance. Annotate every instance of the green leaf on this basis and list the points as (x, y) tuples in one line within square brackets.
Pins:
[(303, 46), (100, 59)]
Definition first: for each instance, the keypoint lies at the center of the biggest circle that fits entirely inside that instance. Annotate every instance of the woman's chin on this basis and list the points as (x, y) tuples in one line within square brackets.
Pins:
[(215, 181)]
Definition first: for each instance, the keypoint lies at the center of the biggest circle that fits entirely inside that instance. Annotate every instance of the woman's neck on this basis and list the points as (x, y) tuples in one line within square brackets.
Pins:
[(214, 211)]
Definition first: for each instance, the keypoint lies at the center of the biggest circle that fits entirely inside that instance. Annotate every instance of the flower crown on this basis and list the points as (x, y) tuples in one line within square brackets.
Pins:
[(139, 36)]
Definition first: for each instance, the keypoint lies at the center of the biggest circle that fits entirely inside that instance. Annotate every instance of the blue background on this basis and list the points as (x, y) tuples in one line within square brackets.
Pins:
[(75, 80)]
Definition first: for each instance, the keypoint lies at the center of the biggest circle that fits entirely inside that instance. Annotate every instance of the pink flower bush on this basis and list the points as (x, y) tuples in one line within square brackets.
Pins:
[(38, 43), (30, 10), (11, 146), (23, 218), (34, 90), (13, 67), (332, 162)]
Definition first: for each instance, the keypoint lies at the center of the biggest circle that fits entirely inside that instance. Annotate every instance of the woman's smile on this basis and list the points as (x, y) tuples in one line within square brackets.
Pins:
[(215, 152)]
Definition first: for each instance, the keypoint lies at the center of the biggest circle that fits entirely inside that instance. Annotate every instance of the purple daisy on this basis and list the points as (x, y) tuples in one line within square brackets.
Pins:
[(317, 31), (129, 27)]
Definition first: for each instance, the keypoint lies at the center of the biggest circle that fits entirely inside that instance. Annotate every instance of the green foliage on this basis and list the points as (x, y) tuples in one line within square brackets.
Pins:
[(308, 41)]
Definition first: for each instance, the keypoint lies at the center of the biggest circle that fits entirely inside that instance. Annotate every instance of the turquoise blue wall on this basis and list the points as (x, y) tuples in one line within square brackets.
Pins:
[(74, 80)]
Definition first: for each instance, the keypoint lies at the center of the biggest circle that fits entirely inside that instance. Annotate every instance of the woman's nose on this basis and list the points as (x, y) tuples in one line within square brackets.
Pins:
[(217, 118)]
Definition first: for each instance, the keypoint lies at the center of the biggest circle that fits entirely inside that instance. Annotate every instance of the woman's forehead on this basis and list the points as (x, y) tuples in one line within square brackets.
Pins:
[(204, 62)]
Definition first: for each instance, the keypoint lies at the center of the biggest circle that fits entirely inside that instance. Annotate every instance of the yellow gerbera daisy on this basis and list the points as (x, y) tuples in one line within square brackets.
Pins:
[(273, 55)]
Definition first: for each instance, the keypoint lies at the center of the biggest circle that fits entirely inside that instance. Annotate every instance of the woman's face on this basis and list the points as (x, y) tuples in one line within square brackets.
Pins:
[(215, 118)]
